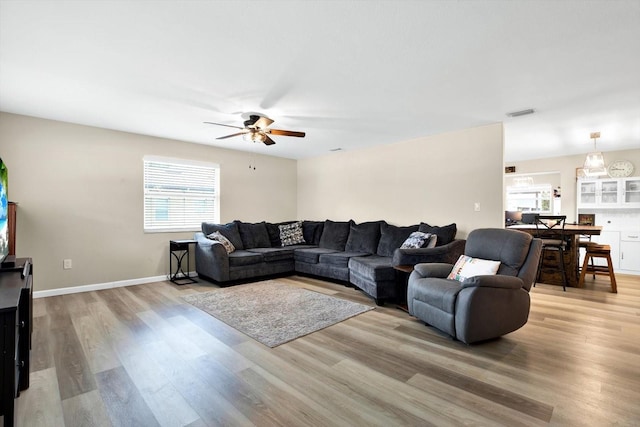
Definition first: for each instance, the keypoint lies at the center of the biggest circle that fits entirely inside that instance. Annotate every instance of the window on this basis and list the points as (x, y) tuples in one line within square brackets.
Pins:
[(529, 199), (179, 194)]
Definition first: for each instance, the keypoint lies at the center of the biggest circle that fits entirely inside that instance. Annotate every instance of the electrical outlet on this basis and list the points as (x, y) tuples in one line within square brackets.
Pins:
[(476, 206), (66, 264)]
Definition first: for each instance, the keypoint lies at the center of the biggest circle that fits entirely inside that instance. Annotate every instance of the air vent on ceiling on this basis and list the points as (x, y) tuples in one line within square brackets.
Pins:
[(521, 112)]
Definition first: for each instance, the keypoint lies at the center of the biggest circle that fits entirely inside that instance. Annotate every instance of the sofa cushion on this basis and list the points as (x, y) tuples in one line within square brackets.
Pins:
[(373, 267), (254, 235), (274, 254), (392, 237), (445, 234), (339, 259), (310, 255), (418, 239), (334, 235), (230, 231), (242, 257), (218, 237), (364, 237), (291, 234), (312, 231)]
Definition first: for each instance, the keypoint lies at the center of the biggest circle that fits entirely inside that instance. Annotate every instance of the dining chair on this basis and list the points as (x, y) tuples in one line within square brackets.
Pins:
[(550, 229)]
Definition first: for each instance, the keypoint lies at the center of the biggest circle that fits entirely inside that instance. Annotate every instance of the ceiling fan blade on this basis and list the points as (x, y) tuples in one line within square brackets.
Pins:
[(268, 141), (232, 135), (221, 124), (285, 132), (262, 123)]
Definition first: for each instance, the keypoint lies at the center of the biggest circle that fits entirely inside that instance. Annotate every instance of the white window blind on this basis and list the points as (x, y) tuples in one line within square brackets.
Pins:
[(179, 194)]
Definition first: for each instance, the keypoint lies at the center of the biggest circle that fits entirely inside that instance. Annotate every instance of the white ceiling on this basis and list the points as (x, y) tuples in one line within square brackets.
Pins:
[(349, 73)]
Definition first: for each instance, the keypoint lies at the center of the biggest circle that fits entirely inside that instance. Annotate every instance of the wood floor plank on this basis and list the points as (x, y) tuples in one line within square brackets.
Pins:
[(171, 335), (41, 349), (96, 346), (284, 401), (291, 365), (493, 412), (224, 354), (210, 405), (74, 374), (121, 305), (40, 404), (164, 401), (85, 410), (123, 400), (235, 390)]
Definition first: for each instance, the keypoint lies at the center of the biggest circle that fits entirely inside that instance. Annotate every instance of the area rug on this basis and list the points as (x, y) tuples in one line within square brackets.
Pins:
[(274, 313)]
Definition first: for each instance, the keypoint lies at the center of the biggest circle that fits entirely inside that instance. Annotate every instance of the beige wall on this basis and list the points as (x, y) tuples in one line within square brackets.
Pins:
[(435, 179), (567, 165), (80, 191)]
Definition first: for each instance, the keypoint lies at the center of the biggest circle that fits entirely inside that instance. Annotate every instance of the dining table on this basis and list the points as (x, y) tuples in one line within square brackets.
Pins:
[(572, 234)]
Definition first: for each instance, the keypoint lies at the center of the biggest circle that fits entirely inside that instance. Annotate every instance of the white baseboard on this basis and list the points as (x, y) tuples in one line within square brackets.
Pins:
[(100, 286)]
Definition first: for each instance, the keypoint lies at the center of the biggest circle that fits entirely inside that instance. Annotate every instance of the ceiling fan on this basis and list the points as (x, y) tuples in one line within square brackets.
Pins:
[(256, 129)]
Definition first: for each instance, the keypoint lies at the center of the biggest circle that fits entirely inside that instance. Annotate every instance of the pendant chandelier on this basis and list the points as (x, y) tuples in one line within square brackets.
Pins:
[(594, 163)]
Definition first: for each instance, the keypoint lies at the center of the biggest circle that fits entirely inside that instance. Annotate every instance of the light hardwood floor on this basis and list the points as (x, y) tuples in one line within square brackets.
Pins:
[(140, 356)]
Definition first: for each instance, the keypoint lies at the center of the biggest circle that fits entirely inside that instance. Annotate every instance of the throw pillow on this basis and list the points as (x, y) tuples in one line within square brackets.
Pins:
[(274, 233), (312, 231), (291, 234), (230, 231), (392, 237), (218, 237), (446, 234), (254, 235), (469, 267), (418, 239), (364, 237), (334, 235)]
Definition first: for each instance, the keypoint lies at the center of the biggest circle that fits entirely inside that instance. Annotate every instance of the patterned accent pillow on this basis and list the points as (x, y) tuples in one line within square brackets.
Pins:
[(418, 239), (469, 267), (291, 234), (218, 237)]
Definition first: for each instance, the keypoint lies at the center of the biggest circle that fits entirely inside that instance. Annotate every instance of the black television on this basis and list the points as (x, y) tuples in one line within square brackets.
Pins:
[(4, 213)]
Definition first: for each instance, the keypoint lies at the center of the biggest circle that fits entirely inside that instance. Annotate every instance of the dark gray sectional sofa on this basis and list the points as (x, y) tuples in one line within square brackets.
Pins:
[(360, 254)]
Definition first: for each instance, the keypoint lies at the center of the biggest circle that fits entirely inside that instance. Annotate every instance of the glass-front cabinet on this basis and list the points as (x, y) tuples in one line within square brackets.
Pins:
[(599, 193), (631, 192)]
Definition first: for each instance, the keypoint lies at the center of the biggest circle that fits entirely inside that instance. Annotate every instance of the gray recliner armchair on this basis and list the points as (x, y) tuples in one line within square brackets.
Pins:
[(480, 307)]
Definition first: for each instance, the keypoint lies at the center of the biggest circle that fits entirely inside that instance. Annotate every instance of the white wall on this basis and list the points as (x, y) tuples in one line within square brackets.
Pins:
[(566, 166), (434, 179), (80, 196)]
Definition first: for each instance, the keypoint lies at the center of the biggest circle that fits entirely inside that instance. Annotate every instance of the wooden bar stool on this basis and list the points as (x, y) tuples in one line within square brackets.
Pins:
[(595, 250)]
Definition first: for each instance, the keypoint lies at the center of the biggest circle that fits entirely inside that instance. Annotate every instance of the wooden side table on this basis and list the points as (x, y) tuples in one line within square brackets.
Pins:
[(402, 280), (178, 249)]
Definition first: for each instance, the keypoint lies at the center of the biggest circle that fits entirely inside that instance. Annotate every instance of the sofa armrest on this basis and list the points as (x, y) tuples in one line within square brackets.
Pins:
[(493, 281), (212, 260), (448, 253), (438, 269)]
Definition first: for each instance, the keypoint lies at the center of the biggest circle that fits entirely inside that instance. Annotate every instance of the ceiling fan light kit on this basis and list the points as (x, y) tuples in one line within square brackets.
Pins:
[(256, 129)]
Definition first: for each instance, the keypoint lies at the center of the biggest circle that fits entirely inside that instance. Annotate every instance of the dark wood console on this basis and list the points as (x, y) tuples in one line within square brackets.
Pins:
[(16, 326)]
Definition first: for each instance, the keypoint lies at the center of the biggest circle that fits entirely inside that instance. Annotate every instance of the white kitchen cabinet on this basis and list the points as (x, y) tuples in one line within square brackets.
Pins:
[(611, 238), (630, 251), (631, 192), (600, 193)]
